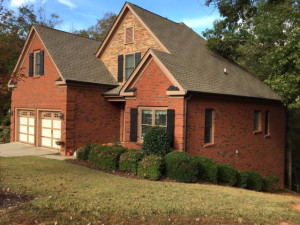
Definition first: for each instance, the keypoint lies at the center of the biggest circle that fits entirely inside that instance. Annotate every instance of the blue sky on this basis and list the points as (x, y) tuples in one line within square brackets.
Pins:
[(80, 14)]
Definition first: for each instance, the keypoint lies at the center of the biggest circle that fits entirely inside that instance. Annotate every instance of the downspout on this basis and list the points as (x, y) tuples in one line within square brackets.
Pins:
[(288, 153), (185, 121)]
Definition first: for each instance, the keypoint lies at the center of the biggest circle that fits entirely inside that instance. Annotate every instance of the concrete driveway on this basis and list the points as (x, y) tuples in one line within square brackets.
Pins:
[(19, 149)]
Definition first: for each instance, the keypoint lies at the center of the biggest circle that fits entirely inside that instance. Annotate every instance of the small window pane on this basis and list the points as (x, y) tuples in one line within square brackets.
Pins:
[(147, 117), (161, 117), (145, 129), (267, 123), (208, 130), (37, 62), (129, 65), (256, 121)]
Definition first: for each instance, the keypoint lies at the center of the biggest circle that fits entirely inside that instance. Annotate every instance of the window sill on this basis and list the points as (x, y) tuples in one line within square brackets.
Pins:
[(209, 145), (257, 132), (267, 136)]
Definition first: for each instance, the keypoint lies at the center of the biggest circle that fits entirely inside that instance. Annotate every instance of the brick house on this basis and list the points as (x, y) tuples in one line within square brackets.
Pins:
[(148, 71)]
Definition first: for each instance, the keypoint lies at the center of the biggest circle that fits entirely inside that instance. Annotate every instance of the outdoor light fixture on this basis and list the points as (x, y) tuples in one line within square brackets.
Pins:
[(61, 115)]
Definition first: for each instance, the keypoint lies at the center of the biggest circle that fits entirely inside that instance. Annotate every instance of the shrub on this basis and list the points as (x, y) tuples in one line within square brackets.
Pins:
[(242, 177), (106, 157), (157, 141), (6, 135), (83, 152), (181, 167), (269, 183), (207, 169), (254, 181), (227, 174), (151, 167), (5, 121), (129, 160)]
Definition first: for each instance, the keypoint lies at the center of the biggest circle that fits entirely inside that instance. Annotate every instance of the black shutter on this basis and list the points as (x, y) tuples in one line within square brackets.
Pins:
[(171, 124), (133, 124), (137, 58), (120, 68), (41, 69), (30, 73)]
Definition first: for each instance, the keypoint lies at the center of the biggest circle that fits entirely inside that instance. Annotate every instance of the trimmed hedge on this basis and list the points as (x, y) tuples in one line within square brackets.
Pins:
[(227, 174), (254, 181), (242, 178), (269, 183), (83, 152), (106, 157), (150, 167), (181, 167), (207, 169), (157, 141), (129, 160)]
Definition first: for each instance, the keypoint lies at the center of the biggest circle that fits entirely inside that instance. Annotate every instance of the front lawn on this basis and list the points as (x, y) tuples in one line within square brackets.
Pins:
[(70, 194)]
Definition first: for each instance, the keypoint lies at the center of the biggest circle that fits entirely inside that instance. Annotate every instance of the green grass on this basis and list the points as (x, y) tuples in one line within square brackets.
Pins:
[(71, 194)]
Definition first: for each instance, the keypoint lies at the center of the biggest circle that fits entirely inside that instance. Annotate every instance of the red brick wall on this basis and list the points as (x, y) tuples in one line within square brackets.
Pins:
[(38, 92), (233, 130), (151, 91), (91, 118)]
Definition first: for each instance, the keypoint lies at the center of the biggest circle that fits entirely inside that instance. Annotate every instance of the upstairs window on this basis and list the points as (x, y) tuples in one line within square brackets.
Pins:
[(36, 63), (257, 121), (129, 65), (129, 35), (267, 123), (208, 129)]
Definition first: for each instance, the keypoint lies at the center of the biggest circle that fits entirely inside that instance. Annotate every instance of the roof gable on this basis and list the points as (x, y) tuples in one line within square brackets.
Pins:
[(127, 7)]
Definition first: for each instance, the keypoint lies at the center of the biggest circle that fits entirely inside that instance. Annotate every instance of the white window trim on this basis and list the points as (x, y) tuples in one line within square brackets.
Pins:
[(124, 65), (35, 73)]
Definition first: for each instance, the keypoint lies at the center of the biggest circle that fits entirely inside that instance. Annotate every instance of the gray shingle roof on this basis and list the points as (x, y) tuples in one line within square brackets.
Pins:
[(75, 56), (197, 68)]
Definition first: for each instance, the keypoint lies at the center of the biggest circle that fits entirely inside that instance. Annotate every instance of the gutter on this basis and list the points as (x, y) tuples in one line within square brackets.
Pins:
[(185, 121)]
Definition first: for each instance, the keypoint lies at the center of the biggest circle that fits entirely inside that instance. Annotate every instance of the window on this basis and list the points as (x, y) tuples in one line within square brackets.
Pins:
[(129, 35), (129, 65), (208, 130), (150, 118), (37, 62), (257, 121), (267, 123)]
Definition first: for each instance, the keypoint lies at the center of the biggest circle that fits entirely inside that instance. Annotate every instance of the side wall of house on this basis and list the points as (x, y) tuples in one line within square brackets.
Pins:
[(143, 40), (151, 92), (91, 118), (38, 92), (234, 140)]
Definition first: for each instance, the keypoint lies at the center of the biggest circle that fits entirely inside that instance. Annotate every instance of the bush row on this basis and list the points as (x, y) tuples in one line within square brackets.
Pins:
[(180, 166)]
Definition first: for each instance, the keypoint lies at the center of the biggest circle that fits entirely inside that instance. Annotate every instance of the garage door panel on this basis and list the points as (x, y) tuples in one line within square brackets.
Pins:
[(30, 130), (24, 120), (46, 132), (23, 129), (23, 137), (46, 123), (31, 121), (46, 142), (56, 124), (31, 139), (56, 134)]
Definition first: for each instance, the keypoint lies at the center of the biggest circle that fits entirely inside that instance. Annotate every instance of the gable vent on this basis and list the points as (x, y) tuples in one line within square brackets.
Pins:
[(129, 35)]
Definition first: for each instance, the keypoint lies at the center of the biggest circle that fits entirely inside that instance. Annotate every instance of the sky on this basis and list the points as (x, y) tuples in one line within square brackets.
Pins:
[(81, 14)]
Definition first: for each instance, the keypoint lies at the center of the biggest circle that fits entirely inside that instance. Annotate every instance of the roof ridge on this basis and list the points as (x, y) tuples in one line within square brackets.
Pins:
[(154, 13), (43, 26)]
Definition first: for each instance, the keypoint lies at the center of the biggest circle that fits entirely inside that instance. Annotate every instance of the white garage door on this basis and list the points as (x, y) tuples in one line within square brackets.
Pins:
[(26, 126), (50, 129)]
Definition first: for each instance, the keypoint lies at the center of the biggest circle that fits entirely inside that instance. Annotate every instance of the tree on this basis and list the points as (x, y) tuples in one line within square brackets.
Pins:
[(264, 37), (101, 29)]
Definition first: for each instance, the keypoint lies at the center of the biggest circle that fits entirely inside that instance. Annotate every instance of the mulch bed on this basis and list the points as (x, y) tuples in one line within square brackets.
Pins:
[(10, 199)]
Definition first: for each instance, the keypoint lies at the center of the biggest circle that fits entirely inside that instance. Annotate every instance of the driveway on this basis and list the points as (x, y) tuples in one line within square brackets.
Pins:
[(19, 149)]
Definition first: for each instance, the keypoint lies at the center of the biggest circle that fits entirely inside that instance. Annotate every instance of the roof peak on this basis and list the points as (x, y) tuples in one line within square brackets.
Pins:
[(77, 35)]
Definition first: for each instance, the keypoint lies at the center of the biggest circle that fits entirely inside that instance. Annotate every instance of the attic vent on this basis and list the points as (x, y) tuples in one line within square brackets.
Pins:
[(129, 35)]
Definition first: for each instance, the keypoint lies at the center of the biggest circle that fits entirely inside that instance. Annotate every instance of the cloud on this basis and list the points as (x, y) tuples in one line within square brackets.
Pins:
[(68, 3), (18, 3), (206, 21)]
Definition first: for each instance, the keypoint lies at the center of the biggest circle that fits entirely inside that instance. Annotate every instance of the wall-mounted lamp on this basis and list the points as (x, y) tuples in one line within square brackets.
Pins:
[(61, 115), (11, 112)]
